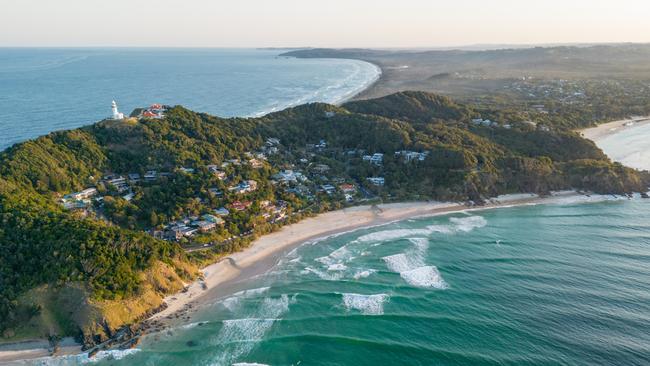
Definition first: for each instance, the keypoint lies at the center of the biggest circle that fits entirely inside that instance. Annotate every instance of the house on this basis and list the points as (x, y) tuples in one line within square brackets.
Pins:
[(220, 174), (377, 181), (255, 164), (215, 192), (189, 231), (347, 188), (221, 211), (212, 218), (206, 226), (85, 194), (244, 187), (272, 141), (377, 159), (367, 158), (75, 205), (321, 168), (349, 198), (288, 176), (241, 206), (187, 170), (134, 177), (128, 197), (412, 155), (173, 234), (149, 114), (328, 188), (150, 176)]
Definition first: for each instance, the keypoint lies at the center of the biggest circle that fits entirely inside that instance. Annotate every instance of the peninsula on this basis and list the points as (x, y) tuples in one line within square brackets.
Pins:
[(101, 223)]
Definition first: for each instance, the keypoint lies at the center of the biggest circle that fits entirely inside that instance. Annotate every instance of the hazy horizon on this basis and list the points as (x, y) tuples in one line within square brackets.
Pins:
[(291, 23)]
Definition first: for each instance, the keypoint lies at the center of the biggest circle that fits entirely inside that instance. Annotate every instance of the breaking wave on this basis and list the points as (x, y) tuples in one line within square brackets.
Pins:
[(458, 224), (427, 276), (412, 268), (233, 302), (467, 224), (366, 304)]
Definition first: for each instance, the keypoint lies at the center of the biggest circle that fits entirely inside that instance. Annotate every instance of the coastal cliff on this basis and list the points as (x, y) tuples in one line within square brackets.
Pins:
[(87, 267)]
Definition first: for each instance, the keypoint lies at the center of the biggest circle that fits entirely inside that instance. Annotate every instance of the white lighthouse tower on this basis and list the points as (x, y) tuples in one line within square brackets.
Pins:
[(116, 113)]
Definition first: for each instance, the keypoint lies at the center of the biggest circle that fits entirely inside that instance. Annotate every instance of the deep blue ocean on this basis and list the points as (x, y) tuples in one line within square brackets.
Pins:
[(42, 90)]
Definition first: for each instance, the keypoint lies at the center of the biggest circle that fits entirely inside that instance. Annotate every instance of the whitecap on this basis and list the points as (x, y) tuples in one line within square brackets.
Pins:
[(363, 273), (239, 336), (402, 262), (328, 276), (467, 224), (427, 276), (366, 304), (232, 303), (337, 267)]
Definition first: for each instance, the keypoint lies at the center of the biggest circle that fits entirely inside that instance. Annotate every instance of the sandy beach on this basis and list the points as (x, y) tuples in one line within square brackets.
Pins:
[(607, 129), (221, 279)]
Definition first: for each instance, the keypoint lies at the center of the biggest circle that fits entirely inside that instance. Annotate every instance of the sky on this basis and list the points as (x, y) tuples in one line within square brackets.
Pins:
[(322, 23)]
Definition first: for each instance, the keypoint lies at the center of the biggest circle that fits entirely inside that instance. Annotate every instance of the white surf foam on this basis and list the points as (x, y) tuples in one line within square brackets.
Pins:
[(387, 235), (402, 262), (337, 267), (323, 275), (239, 336), (464, 224), (427, 276), (233, 302), (366, 304), (467, 224), (83, 359), (364, 273)]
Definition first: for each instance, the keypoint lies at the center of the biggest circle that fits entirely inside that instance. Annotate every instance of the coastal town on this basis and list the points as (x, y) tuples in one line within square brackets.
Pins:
[(229, 204)]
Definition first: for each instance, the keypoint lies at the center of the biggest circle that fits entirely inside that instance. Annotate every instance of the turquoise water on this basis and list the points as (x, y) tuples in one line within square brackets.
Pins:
[(558, 284), (42, 90)]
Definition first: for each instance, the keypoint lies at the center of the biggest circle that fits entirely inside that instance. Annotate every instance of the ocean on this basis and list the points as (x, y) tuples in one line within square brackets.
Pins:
[(564, 283), (43, 90)]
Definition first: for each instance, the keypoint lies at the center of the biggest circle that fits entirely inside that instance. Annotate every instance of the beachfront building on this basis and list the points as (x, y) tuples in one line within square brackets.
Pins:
[(116, 114), (377, 181)]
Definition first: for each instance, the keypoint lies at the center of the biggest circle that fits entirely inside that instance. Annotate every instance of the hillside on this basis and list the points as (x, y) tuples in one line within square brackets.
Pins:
[(157, 189)]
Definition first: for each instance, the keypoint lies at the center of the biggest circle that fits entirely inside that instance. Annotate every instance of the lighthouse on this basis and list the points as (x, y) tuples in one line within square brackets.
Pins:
[(116, 114)]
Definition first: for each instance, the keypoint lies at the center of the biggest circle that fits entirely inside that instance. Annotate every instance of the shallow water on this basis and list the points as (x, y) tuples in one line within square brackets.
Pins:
[(630, 146), (564, 283), (42, 90)]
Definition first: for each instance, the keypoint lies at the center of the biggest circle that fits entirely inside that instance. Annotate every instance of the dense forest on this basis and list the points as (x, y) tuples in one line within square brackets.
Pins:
[(108, 250)]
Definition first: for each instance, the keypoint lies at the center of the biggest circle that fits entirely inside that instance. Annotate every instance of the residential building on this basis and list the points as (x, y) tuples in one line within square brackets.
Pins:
[(377, 181)]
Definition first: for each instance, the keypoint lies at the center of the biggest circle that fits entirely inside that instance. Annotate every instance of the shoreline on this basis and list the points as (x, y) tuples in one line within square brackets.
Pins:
[(221, 279), (608, 129)]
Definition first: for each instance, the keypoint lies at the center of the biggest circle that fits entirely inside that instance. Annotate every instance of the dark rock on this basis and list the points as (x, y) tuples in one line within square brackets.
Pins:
[(192, 344)]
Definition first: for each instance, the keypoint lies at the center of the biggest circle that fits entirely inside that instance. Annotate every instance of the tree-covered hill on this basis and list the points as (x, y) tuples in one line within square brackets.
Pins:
[(109, 248)]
